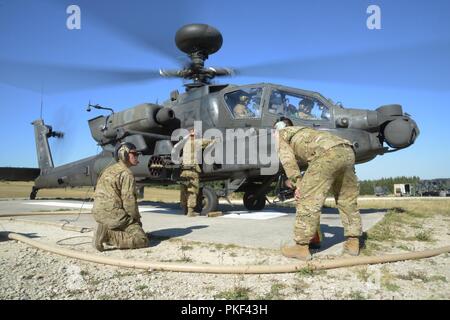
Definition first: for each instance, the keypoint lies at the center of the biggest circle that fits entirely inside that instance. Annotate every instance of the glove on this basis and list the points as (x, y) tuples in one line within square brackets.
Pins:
[(297, 194)]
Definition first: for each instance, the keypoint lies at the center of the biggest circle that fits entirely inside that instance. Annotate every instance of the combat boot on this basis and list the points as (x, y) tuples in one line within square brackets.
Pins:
[(100, 237), (193, 213), (314, 243), (351, 246), (298, 251)]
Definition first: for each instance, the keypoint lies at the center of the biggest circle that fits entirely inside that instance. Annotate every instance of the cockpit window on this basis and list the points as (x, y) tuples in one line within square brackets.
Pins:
[(245, 103), (297, 106)]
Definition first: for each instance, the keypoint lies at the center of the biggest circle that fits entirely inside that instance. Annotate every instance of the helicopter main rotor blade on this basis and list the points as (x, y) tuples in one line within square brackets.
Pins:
[(55, 78), (151, 25), (425, 67)]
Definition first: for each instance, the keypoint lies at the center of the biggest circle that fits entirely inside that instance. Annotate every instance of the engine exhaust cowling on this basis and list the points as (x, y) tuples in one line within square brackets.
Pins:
[(165, 116), (146, 117)]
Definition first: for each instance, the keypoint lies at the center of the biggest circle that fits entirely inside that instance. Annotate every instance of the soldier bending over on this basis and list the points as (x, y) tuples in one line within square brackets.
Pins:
[(331, 165)]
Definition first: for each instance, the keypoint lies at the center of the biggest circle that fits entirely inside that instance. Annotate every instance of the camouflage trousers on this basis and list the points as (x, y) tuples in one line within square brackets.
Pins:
[(131, 236), (190, 188), (334, 170)]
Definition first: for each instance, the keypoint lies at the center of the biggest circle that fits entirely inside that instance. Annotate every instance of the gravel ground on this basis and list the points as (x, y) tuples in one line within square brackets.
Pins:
[(28, 273)]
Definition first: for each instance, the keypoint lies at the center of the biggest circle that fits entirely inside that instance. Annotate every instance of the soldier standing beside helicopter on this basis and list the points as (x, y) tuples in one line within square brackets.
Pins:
[(330, 161), (190, 174), (115, 204)]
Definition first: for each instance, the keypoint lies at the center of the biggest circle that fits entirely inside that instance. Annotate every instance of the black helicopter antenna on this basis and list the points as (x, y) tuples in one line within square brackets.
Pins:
[(42, 101), (97, 106), (198, 41)]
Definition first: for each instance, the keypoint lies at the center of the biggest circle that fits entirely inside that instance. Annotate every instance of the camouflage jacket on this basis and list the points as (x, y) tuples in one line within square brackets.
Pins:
[(192, 153), (115, 201), (304, 145), (304, 115), (240, 111)]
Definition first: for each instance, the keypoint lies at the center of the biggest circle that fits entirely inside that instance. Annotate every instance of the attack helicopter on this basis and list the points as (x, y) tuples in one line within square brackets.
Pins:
[(150, 127)]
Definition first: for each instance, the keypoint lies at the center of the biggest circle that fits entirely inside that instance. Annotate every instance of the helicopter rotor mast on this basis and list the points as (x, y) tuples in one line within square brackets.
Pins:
[(198, 41)]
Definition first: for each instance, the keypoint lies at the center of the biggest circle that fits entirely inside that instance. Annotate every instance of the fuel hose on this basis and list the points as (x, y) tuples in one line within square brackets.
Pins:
[(229, 269)]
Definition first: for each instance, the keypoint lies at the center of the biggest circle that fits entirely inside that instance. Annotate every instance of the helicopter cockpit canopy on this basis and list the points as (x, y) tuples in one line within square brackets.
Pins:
[(261, 104), (245, 103), (297, 106)]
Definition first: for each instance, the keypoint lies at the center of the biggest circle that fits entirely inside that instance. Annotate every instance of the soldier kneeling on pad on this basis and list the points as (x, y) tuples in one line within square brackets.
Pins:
[(115, 204), (330, 162)]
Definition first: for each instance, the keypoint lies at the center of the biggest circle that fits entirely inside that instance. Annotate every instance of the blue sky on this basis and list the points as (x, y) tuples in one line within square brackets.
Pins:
[(405, 62)]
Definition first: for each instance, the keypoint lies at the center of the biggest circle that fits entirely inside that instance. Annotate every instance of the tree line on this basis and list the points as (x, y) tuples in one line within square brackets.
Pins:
[(367, 187)]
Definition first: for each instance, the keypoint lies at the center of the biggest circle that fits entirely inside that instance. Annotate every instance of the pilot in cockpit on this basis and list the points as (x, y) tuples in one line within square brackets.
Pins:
[(240, 109), (304, 109), (277, 104)]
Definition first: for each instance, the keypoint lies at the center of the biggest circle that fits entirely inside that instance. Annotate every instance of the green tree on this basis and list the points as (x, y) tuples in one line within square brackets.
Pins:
[(367, 187)]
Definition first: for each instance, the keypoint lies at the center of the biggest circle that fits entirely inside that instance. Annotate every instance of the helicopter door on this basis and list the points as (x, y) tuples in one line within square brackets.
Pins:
[(244, 107), (239, 120)]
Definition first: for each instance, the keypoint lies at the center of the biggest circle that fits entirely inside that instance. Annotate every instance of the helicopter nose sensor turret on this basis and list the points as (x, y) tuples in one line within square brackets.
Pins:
[(399, 130), (401, 133)]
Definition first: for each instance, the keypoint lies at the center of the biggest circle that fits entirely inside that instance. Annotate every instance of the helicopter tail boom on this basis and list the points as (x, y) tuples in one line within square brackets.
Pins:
[(41, 133)]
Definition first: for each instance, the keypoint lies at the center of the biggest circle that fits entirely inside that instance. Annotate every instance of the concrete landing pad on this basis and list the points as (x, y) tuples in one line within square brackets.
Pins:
[(269, 228)]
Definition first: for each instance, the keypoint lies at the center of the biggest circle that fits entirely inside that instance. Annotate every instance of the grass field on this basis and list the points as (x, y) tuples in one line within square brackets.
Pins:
[(11, 189), (421, 206)]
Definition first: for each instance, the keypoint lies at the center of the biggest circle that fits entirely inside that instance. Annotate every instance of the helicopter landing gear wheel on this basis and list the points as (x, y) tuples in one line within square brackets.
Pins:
[(33, 193), (251, 202), (207, 201)]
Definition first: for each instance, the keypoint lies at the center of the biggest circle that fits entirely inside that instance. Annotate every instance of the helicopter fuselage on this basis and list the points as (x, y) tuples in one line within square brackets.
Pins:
[(250, 110)]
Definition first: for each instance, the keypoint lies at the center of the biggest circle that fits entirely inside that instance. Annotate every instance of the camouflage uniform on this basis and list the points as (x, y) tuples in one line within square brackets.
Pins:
[(190, 174), (240, 111), (304, 115), (330, 162), (115, 207)]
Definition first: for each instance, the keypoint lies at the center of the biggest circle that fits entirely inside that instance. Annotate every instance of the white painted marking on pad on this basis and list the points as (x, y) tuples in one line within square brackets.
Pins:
[(62, 204), (264, 215), (83, 206), (150, 209)]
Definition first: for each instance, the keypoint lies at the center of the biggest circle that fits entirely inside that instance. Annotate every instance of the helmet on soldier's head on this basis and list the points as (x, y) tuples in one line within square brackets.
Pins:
[(244, 98), (306, 104), (280, 125), (122, 150)]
